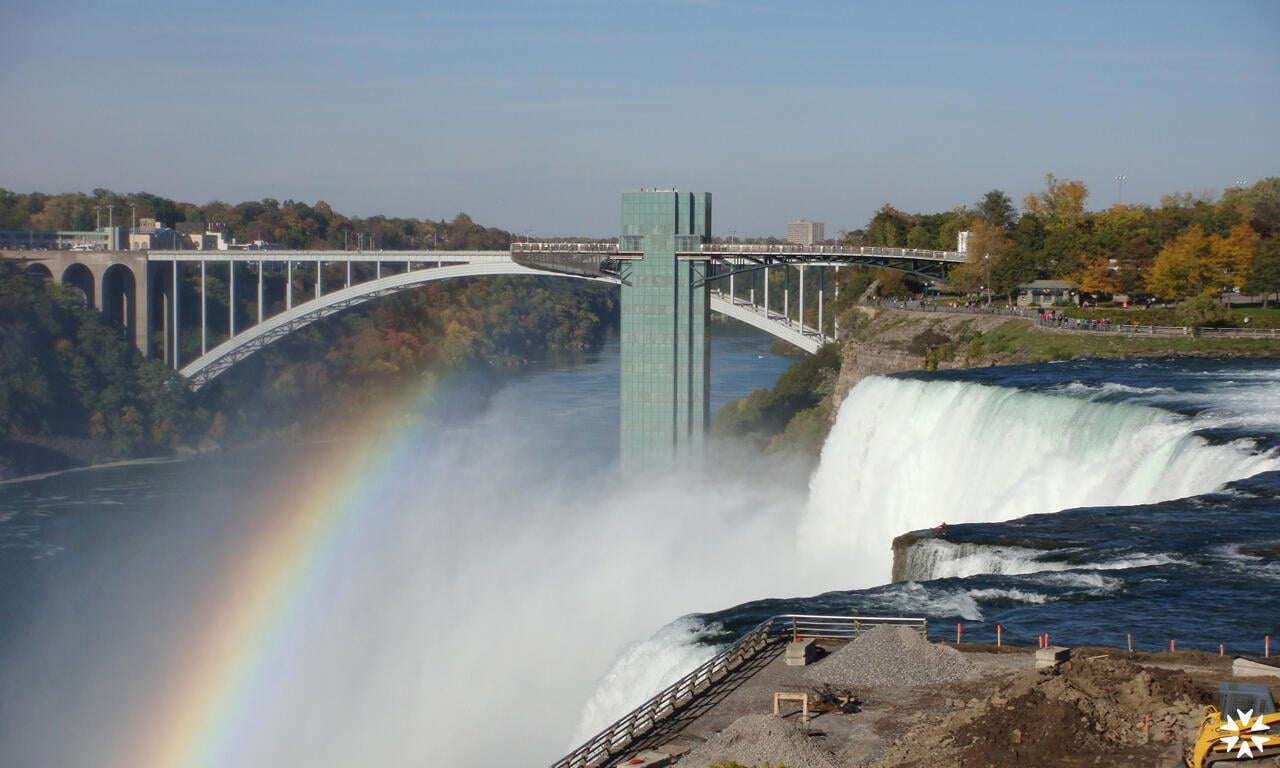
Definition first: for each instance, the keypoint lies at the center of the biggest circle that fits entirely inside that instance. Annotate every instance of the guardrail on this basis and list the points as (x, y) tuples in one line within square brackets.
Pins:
[(643, 718)]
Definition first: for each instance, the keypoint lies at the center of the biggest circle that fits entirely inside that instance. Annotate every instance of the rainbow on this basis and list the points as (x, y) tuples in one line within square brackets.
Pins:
[(249, 622)]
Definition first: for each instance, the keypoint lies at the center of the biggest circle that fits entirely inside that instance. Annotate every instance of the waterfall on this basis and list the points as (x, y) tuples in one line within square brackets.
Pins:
[(907, 454)]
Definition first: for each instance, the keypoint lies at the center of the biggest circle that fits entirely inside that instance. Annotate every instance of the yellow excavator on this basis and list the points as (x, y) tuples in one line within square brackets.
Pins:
[(1244, 726)]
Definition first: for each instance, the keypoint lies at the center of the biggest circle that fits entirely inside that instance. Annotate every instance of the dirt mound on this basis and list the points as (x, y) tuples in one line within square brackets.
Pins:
[(760, 740), (891, 656), (1088, 710)]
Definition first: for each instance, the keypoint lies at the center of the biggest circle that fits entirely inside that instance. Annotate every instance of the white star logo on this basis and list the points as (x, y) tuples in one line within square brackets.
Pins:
[(1241, 727)]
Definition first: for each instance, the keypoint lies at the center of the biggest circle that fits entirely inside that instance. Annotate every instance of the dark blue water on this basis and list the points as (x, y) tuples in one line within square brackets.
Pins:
[(1202, 570), (501, 555)]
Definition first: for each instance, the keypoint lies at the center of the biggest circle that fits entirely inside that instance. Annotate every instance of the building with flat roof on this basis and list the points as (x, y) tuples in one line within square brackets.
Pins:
[(805, 232)]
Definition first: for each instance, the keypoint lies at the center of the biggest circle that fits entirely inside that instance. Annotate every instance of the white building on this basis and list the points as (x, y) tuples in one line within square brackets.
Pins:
[(805, 232)]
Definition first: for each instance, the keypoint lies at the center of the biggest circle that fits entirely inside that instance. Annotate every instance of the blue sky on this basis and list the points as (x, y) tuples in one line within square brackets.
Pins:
[(535, 116)]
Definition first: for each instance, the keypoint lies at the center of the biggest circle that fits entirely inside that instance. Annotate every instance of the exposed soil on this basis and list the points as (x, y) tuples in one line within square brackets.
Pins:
[(1103, 707)]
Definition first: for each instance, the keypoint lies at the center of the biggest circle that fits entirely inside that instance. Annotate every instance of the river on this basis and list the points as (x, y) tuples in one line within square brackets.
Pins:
[(488, 594)]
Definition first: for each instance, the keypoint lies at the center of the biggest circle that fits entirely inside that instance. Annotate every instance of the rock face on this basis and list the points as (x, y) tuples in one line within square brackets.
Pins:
[(891, 341)]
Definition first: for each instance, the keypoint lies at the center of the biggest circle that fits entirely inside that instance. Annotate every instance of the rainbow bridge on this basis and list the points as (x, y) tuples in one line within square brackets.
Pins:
[(671, 275)]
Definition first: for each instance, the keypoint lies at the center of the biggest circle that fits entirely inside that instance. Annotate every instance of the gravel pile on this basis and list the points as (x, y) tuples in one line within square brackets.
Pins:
[(891, 656), (760, 740)]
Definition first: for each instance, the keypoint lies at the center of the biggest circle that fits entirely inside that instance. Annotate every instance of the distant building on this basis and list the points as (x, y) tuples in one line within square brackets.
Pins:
[(962, 241), (1047, 293), (805, 232)]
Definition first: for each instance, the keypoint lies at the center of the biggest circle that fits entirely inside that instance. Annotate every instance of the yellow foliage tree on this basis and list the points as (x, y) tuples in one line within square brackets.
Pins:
[(1062, 203), (987, 244), (1231, 256), (1184, 267), (1097, 277)]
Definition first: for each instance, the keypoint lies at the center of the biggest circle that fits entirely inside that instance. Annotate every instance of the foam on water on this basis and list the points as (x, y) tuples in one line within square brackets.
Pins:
[(939, 559), (906, 455), (645, 667)]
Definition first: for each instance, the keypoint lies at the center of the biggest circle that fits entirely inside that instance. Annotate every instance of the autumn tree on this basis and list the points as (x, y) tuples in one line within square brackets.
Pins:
[(1183, 268), (1230, 257), (1061, 205), (987, 245), (1097, 277)]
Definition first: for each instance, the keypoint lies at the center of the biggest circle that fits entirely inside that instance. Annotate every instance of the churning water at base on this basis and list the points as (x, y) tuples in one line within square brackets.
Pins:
[(494, 593), (908, 454)]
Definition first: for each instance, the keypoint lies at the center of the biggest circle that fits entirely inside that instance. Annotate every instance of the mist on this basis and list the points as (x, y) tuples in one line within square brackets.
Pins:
[(487, 580)]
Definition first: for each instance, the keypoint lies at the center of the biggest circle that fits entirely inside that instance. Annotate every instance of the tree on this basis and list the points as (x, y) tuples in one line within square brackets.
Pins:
[(1183, 267), (1062, 203), (889, 228), (1231, 256), (1097, 277), (1014, 269), (1264, 271), (997, 209), (1200, 311)]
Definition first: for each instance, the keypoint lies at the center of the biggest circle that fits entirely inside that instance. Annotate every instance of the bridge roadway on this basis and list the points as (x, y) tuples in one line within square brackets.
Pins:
[(155, 280)]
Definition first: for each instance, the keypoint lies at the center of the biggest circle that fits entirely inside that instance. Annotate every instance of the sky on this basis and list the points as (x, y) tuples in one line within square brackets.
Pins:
[(535, 116)]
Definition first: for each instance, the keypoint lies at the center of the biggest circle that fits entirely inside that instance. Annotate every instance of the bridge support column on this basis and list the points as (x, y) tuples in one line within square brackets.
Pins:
[(665, 306)]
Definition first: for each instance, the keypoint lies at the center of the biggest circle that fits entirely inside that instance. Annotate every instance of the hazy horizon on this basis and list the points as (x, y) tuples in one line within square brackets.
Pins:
[(534, 117)]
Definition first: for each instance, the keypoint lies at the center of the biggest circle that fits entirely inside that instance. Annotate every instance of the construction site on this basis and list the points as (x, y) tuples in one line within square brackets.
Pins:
[(817, 692)]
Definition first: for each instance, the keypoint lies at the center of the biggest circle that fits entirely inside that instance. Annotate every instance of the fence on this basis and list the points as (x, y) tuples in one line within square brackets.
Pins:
[(640, 720), (1078, 324)]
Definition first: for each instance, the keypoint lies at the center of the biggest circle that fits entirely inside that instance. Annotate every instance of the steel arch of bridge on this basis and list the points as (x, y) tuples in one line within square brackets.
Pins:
[(219, 359)]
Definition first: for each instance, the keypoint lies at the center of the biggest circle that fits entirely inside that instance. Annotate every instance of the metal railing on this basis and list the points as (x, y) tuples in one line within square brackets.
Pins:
[(618, 736), (789, 249), (540, 247), (1079, 325)]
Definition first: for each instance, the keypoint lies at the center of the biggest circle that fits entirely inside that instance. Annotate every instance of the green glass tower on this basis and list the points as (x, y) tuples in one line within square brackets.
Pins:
[(665, 305)]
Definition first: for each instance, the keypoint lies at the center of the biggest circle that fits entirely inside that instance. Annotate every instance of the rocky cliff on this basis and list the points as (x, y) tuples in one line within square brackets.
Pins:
[(884, 341)]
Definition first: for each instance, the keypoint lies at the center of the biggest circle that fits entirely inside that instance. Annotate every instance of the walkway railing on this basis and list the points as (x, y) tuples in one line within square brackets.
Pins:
[(643, 718), (1079, 325), (788, 249)]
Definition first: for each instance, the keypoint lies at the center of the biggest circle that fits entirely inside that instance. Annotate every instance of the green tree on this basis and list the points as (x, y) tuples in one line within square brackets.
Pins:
[(1264, 271), (997, 209)]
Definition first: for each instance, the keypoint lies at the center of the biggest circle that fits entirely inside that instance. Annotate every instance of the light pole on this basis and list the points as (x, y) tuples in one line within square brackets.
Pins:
[(986, 259), (1120, 189)]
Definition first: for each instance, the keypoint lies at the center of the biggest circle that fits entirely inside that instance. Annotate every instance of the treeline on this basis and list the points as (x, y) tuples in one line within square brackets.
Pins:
[(290, 223), (1186, 247), (63, 371), (66, 373)]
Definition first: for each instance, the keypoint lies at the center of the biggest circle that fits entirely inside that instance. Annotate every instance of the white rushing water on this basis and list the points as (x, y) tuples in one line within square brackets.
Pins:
[(906, 455), (494, 587)]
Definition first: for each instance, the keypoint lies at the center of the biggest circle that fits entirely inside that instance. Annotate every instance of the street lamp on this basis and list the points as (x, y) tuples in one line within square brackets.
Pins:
[(1120, 189), (986, 260)]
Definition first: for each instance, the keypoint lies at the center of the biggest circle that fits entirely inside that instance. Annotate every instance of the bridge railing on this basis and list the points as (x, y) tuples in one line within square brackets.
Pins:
[(790, 249), (539, 247), (618, 736)]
